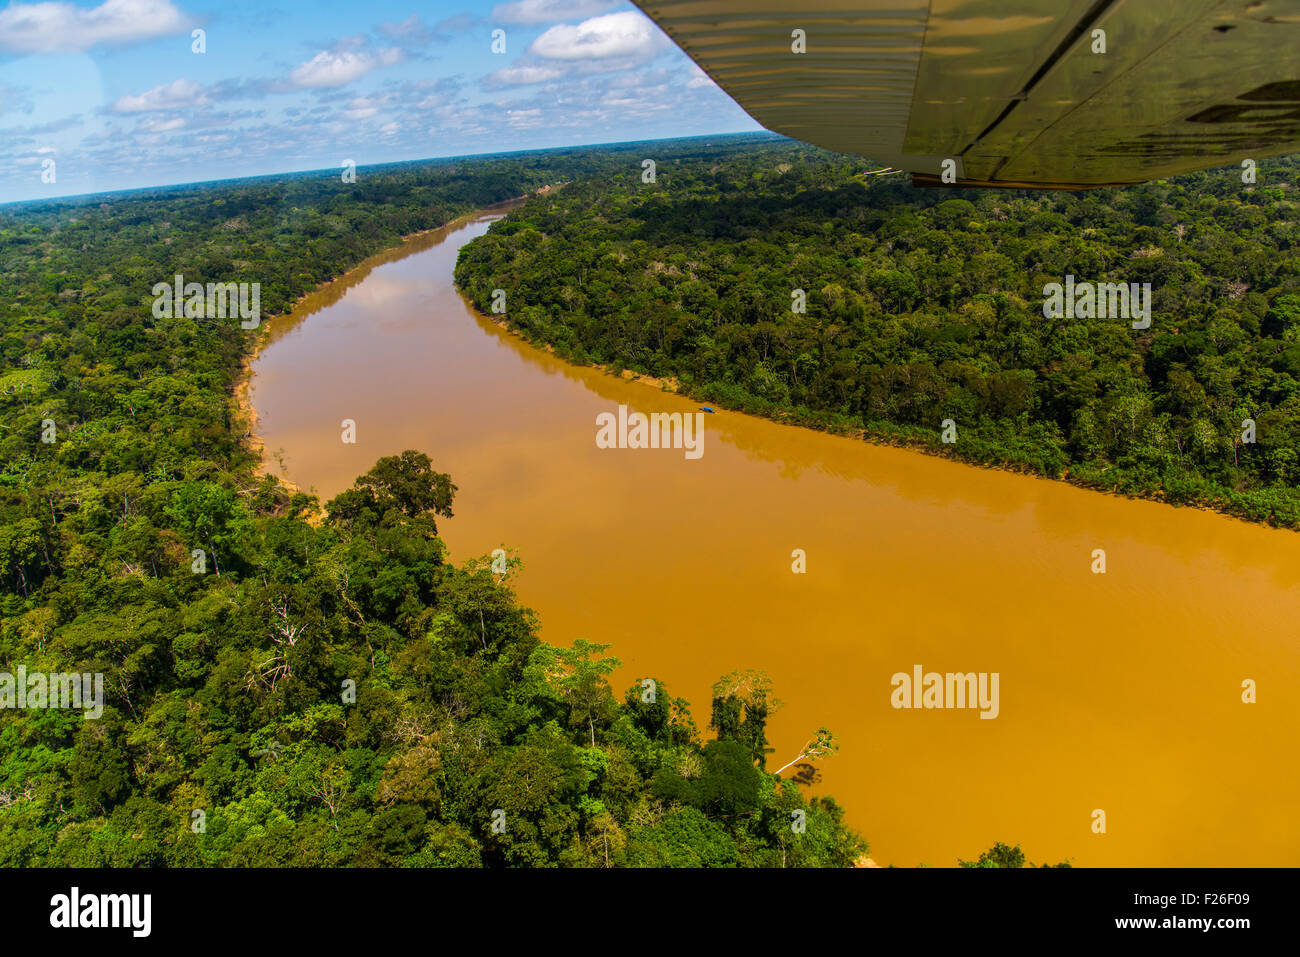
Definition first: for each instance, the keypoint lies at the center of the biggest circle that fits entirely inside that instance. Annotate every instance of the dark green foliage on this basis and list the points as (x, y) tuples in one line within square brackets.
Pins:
[(1003, 856), (326, 689)]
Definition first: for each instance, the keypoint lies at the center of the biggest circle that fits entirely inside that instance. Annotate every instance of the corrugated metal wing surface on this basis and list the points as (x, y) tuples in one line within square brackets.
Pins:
[(1012, 90)]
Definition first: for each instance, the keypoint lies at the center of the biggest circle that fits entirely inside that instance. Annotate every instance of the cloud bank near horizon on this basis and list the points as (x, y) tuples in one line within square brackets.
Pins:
[(129, 93)]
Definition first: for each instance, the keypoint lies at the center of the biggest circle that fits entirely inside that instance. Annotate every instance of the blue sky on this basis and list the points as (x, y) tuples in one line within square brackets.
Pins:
[(115, 95)]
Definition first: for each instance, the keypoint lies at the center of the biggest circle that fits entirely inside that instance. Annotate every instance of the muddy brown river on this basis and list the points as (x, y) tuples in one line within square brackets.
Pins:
[(1118, 692)]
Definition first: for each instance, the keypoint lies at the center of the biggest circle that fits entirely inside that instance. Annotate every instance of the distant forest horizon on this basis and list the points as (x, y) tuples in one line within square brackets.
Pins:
[(389, 166)]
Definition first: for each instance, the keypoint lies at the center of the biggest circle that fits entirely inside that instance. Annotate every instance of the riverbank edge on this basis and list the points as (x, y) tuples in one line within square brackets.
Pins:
[(924, 445), (243, 415), (245, 420)]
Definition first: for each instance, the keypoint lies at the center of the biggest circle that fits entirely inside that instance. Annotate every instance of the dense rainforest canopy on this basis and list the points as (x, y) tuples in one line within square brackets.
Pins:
[(292, 684), (928, 305)]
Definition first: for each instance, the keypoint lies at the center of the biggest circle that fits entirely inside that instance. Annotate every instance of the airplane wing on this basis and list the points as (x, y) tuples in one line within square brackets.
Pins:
[(1012, 93)]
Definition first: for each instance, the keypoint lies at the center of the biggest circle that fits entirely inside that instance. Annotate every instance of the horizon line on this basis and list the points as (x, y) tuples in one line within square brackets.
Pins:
[(82, 197)]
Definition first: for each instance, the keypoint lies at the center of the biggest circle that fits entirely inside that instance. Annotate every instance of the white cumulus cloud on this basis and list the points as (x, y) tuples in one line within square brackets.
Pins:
[(64, 28), (363, 107), (160, 125), (522, 75), (548, 11), (338, 68), (169, 96), (625, 35), (698, 79)]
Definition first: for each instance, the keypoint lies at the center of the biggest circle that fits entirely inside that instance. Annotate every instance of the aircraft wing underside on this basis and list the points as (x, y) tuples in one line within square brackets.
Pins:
[(1014, 92)]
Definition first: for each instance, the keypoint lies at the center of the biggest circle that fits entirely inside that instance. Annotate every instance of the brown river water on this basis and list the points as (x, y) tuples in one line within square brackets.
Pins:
[(1119, 692)]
